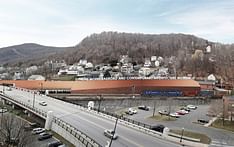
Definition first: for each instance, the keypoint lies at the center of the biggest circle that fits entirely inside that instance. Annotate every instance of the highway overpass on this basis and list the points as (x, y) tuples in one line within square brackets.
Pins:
[(90, 123)]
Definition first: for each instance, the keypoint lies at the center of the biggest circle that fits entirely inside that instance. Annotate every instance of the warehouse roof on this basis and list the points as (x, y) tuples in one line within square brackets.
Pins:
[(101, 84)]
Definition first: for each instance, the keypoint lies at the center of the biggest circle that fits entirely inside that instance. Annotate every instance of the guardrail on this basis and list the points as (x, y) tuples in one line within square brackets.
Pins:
[(117, 116), (82, 137), (35, 110)]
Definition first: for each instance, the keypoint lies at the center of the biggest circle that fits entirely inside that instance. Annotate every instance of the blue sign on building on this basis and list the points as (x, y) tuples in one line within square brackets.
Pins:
[(162, 93)]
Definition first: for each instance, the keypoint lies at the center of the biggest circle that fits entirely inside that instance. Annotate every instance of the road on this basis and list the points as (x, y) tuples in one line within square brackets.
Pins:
[(90, 124)]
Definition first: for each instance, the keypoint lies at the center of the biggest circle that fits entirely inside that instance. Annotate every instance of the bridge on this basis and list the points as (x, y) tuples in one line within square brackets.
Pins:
[(81, 126)]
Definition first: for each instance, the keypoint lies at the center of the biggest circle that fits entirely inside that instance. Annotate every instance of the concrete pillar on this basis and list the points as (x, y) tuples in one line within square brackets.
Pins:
[(49, 120), (29, 114), (165, 132), (13, 106)]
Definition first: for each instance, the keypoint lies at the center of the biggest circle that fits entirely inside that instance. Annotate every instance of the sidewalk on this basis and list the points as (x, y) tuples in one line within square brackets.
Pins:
[(211, 121)]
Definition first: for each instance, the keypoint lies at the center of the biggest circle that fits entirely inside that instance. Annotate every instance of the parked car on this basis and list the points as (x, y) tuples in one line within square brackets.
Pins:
[(44, 136), (185, 108), (182, 112), (43, 103), (3, 110), (204, 121), (163, 112), (158, 128), (191, 107), (143, 107), (38, 130), (55, 143), (27, 127), (12, 141), (110, 133), (132, 110), (129, 112), (176, 115)]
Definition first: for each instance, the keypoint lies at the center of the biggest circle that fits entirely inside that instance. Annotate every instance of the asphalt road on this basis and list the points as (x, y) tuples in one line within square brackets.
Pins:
[(91, 124)]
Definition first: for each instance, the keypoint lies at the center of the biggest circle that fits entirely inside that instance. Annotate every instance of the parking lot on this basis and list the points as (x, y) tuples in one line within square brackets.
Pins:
[(188, 121)]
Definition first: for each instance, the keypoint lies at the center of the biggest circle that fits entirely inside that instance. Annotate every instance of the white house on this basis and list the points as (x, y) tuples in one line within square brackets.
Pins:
[(144, 71), (211, 77), (31, 69)]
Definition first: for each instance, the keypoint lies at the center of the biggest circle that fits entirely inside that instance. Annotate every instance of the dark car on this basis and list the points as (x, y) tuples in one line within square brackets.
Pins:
[(185, 108), (55, 143), (158, 128), (143, 107), (204, 121)]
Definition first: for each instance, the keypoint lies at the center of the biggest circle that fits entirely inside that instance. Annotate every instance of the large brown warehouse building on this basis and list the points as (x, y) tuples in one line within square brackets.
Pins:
[(146, 87)]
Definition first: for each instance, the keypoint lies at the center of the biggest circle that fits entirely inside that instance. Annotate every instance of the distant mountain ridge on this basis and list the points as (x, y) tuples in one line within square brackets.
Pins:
[(27, 51)]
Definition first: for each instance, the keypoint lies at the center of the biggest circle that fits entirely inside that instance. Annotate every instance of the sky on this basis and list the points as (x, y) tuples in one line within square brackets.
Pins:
[(67, 22)]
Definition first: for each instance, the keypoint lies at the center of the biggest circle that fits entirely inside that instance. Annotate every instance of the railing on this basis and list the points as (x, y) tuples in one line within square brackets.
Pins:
[(117, 116), (39, 112), (82, 137)]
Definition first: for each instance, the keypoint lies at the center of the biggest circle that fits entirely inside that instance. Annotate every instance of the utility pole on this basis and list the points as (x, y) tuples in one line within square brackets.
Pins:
[(182, 133), (114, 132), (99, 102), (33, 99), (154, 107), (223, 111)]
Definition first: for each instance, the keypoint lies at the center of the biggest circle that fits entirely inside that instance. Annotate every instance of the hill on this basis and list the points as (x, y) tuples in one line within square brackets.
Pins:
[(27, 51), (189, 50)]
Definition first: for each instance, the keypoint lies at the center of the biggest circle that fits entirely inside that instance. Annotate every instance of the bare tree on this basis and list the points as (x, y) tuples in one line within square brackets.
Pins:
[(215, 108), (12, 133)]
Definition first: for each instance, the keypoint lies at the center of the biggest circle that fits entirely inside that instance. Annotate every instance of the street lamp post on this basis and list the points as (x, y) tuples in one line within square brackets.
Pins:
[(33, 99), (154, 107), (133, 91), (99, 102), (182, 133), (41, 86), (114, 132), (223, 111)]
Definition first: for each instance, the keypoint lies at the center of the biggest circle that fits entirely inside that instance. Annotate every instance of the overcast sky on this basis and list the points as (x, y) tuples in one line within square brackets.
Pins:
[(67, 22)]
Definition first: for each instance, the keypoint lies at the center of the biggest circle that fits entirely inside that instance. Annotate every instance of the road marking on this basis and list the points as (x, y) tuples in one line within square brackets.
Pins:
[(220, 145)]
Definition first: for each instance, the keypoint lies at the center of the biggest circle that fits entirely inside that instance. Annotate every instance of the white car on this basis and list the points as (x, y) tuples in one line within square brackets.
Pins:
[(176, 115), (43, 103), (134, 111), (110, 134), (38, 130), (191, 107)]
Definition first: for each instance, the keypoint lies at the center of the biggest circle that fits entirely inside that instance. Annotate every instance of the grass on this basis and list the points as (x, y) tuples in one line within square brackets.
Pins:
[(163, 118), (203, 138), (228, 125)]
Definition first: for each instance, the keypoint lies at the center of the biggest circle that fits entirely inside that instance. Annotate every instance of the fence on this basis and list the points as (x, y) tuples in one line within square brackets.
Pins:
[(82, 137)]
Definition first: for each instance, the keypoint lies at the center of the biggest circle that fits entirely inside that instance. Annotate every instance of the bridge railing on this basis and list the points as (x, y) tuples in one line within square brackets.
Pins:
[(40, 112), (82, 137), (118, 116)]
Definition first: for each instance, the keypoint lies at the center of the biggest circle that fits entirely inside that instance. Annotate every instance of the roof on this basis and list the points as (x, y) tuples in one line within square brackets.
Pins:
[(101, 84)]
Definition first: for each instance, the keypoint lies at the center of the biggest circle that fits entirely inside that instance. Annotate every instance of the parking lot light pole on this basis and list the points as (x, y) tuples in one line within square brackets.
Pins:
[(33, 99), (114, 132), (223, 111), (182, 133)]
